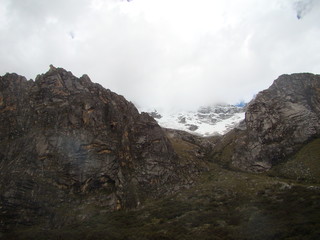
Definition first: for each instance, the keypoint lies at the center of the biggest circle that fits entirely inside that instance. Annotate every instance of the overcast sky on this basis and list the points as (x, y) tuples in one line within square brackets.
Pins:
[(164, 53)]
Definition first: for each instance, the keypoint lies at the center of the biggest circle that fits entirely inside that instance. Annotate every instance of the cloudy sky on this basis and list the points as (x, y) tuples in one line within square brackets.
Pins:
[(164, 53)]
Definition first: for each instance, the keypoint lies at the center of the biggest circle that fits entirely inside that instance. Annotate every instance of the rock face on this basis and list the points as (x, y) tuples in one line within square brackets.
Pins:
[(65, 140), (277, 122)]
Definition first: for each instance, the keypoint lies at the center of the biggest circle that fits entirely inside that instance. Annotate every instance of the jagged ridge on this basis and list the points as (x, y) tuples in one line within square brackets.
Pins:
[(66, 140)]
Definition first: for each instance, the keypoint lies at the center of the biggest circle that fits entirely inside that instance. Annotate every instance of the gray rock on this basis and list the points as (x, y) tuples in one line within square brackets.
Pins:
[(155, 114), (192, 127), (278, 121)]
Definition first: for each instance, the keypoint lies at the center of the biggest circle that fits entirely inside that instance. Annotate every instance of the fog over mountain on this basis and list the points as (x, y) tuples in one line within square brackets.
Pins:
[(159, 53), (303, 7)]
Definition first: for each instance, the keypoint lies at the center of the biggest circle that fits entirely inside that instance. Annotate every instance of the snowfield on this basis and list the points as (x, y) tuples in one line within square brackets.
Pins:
[(207, 121)]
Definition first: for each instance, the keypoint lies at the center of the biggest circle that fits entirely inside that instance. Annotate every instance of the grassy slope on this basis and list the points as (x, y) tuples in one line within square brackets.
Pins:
[(222, 204), (303, 166)]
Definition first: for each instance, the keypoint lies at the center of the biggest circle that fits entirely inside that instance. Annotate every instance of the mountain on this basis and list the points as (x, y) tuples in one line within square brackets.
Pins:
[(278, 122), (66, 142), (78, 161), (206, 121)]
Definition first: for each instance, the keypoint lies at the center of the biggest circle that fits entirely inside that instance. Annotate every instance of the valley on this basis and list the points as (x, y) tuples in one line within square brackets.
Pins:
[(79, 161)]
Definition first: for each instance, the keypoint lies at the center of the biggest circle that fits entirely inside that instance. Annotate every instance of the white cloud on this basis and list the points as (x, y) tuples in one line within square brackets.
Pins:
[(169, 53)]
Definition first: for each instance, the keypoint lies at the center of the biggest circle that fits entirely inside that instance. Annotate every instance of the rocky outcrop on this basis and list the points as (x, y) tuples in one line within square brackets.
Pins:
[(277, 123), (196, 147), (66, 142)]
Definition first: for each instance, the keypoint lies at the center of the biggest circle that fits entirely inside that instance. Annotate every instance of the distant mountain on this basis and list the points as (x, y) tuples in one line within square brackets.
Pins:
[(206, 121)]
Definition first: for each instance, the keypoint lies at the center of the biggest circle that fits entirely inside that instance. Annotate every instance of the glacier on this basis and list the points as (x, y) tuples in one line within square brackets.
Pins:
[(206, 121)]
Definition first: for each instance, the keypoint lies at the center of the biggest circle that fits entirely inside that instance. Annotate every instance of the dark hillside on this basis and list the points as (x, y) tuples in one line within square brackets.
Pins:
[(78, 161)]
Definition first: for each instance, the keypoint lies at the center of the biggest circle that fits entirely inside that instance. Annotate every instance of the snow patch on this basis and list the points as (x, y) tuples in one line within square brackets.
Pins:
[(207, 121)]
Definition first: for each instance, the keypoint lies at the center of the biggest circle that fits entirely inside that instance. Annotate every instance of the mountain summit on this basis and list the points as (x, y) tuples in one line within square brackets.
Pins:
[(65, 139), (277, 123)]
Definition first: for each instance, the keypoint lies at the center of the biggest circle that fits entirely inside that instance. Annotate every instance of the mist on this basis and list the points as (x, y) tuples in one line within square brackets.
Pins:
[(168, 54)]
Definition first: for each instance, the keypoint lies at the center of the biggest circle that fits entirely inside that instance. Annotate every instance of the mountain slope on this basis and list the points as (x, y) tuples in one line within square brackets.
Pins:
[(221, 205), (303, 165), (54, 184), (278, 122), (65, 141)]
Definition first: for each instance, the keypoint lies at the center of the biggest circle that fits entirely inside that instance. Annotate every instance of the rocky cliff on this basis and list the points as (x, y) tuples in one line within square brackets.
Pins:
[(277, 123), (66, 143), (72, 152)]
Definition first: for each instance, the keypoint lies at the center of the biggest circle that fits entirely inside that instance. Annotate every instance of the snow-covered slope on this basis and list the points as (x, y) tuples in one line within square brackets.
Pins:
[(206, 121)]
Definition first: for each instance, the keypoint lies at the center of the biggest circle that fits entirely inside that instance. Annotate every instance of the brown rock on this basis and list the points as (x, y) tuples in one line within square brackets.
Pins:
[(63, 138)]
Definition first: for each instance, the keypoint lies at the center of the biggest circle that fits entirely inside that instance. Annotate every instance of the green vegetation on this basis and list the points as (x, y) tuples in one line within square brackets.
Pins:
[(222, 204), (302, 166), (225, 147)]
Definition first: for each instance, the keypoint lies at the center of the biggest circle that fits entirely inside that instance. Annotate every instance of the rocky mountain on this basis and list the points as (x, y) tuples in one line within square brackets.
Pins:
[(278, 122), (206, 121), (78, 161), (66, 142)]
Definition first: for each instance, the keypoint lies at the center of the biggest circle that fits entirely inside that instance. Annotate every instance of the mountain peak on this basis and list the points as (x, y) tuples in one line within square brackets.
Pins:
[(277, 122), (65, 138), (206, 121)]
